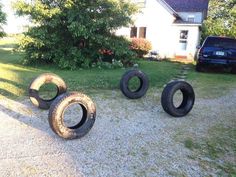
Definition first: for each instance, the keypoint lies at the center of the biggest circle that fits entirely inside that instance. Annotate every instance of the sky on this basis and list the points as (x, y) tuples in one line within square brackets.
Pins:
[(14, 23)]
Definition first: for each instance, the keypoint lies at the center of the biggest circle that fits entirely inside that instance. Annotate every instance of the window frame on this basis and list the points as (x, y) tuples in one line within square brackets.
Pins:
[(137, 33), (144, 30), (133, 34), (184, 39)]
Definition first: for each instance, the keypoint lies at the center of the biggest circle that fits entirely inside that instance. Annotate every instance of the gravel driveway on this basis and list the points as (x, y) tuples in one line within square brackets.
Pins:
[(129, 138)]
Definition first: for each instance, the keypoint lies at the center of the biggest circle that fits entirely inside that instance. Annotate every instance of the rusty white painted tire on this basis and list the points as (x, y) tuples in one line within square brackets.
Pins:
[(42, 79)]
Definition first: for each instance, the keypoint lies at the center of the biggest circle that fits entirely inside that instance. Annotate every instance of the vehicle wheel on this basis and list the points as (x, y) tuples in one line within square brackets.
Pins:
[(199, 68), (57, 110), (167, 98), (233, 70), (142, 88), (42, 79)]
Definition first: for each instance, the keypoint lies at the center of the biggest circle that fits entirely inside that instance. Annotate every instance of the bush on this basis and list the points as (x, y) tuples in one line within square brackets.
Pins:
[(2, 21), (70, 34), (107, 65), (141, 46)]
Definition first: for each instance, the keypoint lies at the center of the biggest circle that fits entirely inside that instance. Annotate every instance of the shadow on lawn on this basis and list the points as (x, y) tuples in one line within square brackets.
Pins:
[(9, 45), (6, 93), (19, 85), (10, 56)]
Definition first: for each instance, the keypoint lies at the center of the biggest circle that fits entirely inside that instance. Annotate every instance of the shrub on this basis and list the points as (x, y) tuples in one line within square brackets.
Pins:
[(140, 46), (2, 21), (107, 65), (69, 34)]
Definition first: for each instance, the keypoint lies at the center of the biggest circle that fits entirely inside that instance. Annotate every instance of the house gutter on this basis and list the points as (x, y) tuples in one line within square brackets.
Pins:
[(185, 24), (169, 8)]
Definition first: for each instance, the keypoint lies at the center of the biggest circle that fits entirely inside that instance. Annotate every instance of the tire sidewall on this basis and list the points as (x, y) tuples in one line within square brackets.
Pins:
[(144, 84), (167, 98), (38, 82), (57, 110)]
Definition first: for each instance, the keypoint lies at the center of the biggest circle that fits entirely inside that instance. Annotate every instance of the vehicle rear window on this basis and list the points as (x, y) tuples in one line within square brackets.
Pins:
[(221, 43)]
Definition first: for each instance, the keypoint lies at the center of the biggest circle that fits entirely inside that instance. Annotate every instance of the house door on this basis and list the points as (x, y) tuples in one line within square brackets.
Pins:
[(182, 44)]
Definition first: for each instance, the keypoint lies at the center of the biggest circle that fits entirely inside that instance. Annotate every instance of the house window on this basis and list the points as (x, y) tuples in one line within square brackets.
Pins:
[(138, 32), (190, 19), (183, 39), (142, 32), (183, 34), (133, 32)]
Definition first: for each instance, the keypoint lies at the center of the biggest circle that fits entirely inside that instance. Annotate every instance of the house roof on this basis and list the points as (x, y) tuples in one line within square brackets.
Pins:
[(188, 5)]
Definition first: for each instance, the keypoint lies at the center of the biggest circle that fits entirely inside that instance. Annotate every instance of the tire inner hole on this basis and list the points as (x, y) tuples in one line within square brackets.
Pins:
[(74, 115), (178, 98), (134, 84), (48, 91)]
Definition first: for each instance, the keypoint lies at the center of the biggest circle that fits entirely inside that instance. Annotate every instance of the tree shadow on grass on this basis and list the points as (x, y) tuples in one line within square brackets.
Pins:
[(11, 89), (10, 57), (7, 93), (9, 45), (12, 82)]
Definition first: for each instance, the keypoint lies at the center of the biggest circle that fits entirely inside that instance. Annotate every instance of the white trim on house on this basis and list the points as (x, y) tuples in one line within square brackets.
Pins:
[(186, 24)]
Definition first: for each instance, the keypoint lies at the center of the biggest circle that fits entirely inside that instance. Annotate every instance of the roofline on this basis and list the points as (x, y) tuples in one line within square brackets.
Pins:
[(186, 24), (169, 8)]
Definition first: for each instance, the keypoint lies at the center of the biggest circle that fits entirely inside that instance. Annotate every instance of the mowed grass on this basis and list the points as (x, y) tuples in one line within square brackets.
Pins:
[(211, 84), (15, 77)]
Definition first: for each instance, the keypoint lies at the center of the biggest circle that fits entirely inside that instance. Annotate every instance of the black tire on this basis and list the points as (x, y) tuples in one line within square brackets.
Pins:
[(233, 70), (56, 115), (199, 68), (142, 89), (167, 98), (41, 80)]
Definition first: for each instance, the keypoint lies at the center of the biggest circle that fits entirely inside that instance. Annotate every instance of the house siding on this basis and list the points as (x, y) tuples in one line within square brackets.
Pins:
[(163, 33), (192, 41)]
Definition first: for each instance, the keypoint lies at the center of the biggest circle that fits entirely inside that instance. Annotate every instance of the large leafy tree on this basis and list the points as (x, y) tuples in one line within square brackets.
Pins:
[(2, 21), (221, 18), (72, 33)]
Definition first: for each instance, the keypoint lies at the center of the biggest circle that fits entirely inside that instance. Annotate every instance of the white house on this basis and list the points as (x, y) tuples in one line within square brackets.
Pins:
[(172, 26)]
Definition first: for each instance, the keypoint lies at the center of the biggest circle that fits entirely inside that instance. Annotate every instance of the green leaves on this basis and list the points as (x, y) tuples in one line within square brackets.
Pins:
[(221, 19), (70, 33), (2, 21)]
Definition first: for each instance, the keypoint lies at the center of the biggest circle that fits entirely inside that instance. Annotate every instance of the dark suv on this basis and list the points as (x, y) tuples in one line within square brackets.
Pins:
[(219, 51)]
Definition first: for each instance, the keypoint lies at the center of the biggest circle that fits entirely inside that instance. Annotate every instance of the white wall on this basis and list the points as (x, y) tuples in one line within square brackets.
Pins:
[(192, 41), (163, 35), (158, 21)]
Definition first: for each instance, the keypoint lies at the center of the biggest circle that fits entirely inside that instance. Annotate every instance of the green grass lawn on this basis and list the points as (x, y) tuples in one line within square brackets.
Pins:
[(211, 84), (15, 77)]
